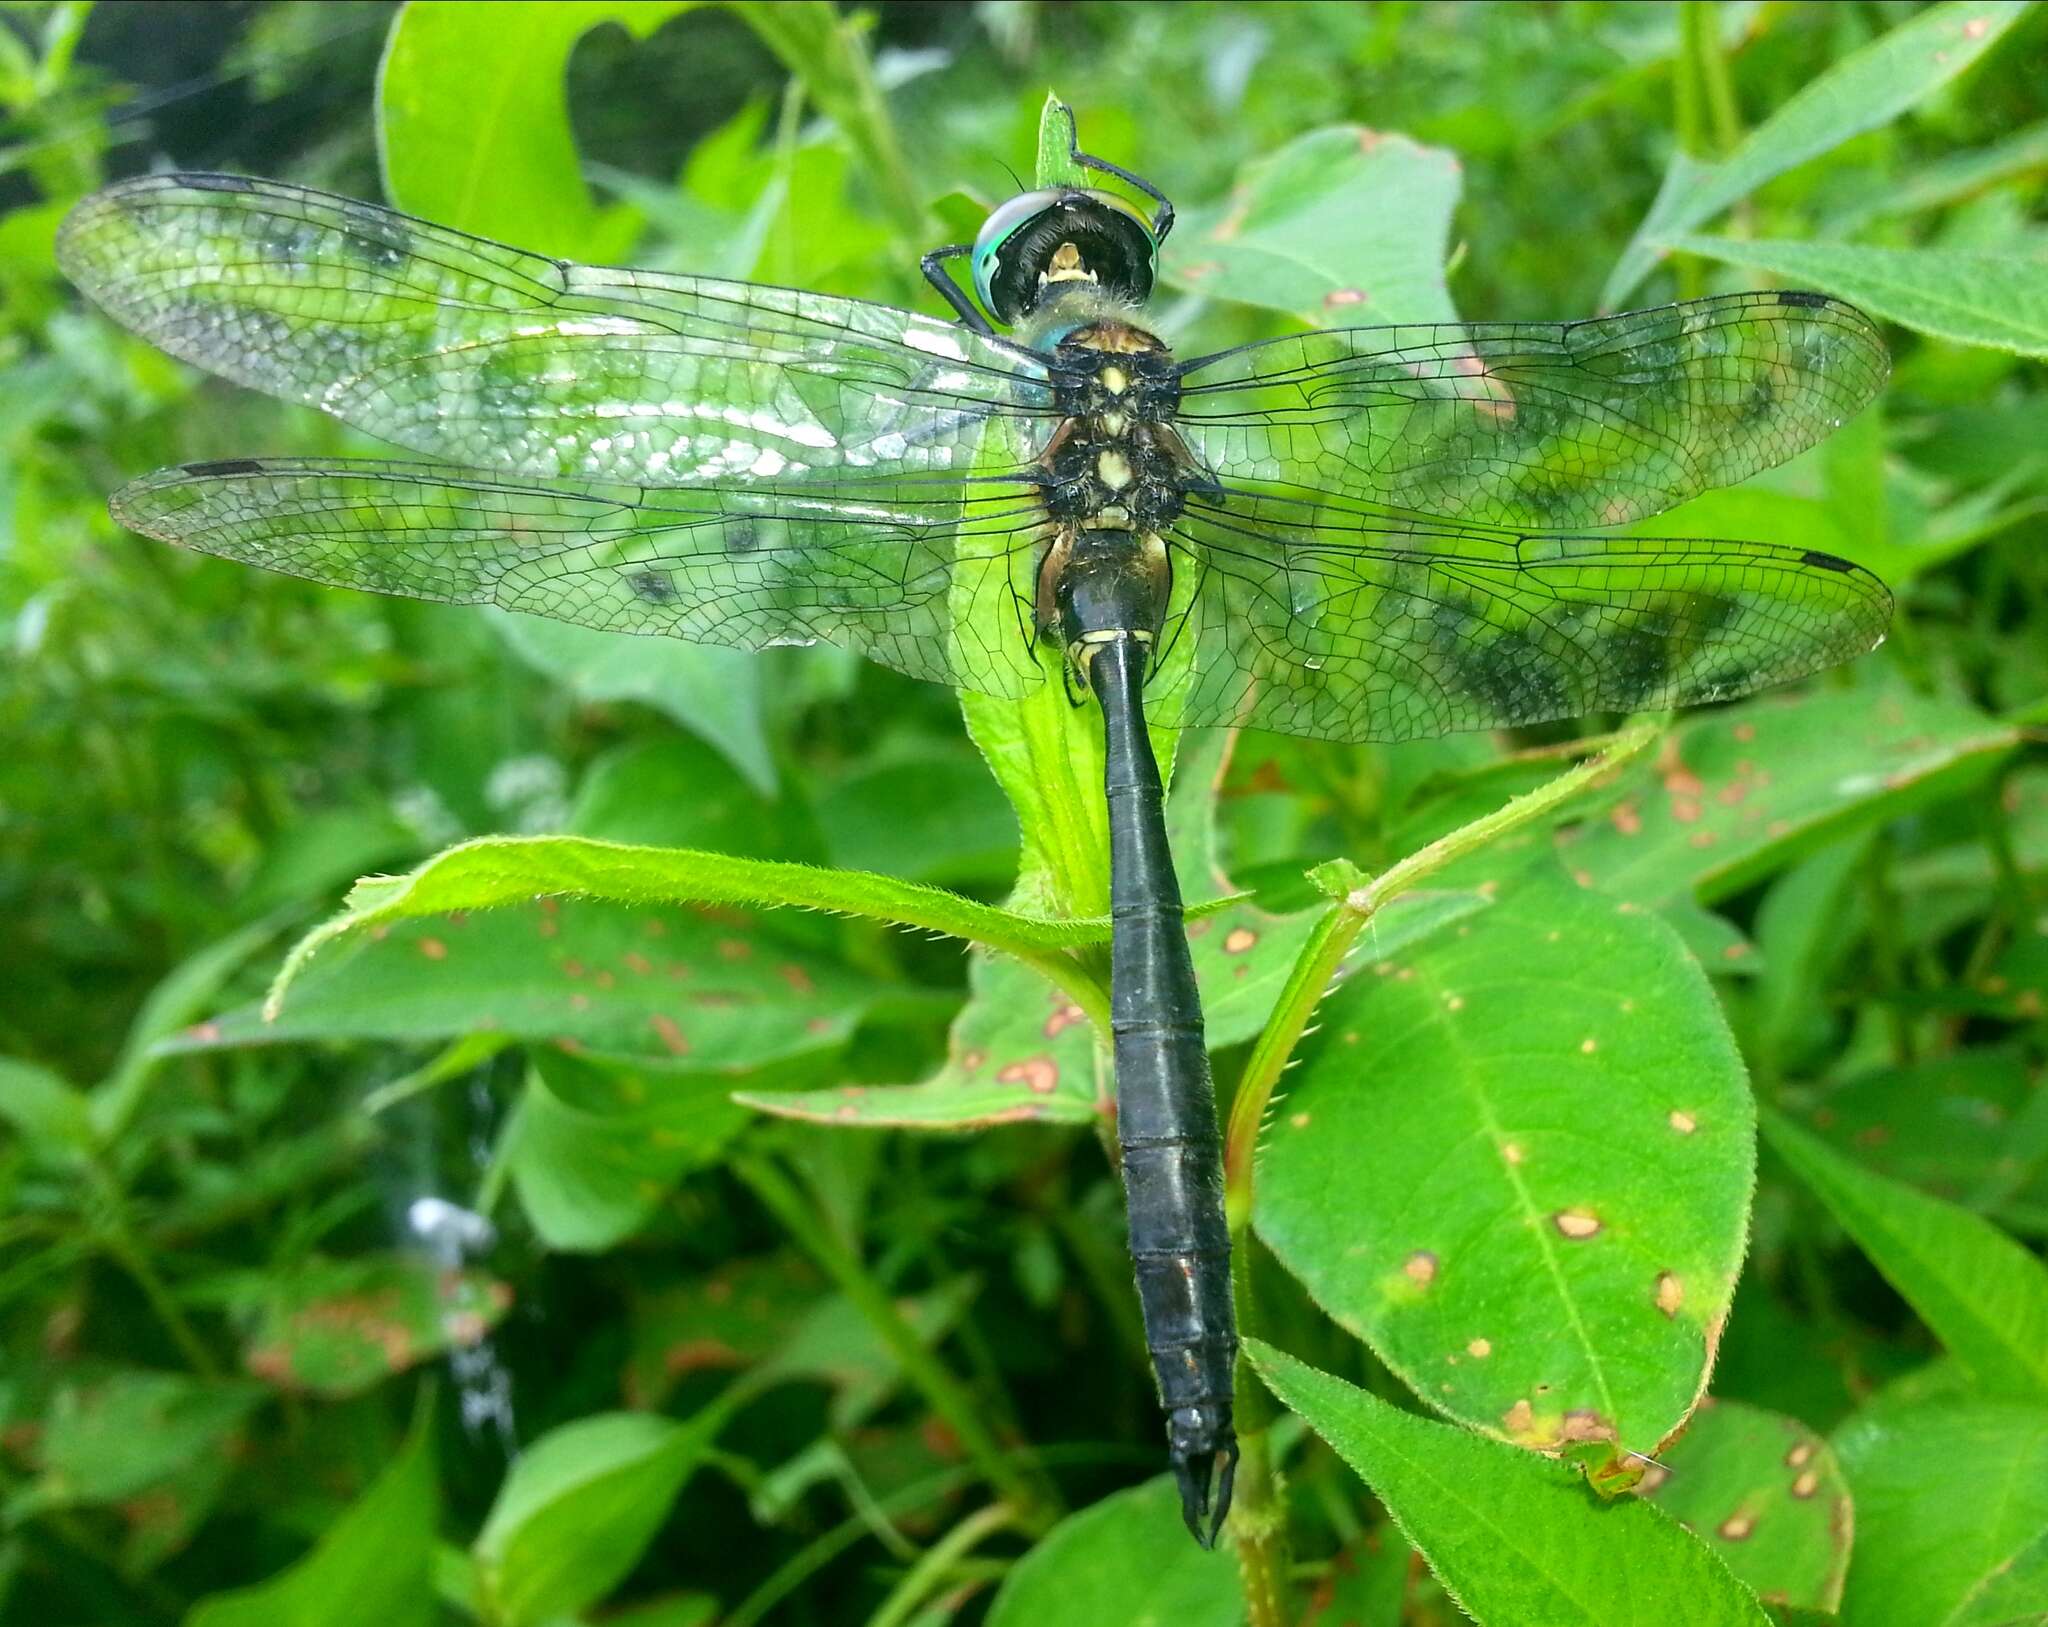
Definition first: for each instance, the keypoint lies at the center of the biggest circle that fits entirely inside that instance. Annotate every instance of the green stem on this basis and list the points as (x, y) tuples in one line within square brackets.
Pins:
[(1029, 1497), (937, 1562), (121, 1242), (1258, 1511), (1360, 900)]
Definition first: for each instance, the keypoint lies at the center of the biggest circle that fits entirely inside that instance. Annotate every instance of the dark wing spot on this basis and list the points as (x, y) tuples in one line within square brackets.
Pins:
[(226, 466), (217, 183), (657, 587), (1799, 296), (1826, 562)]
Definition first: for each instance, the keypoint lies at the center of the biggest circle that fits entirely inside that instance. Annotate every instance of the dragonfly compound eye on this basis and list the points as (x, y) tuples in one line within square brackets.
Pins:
[(1041, 241)]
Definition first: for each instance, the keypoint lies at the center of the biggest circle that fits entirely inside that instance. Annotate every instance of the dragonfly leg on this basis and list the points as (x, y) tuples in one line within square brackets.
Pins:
[(1162, 222), (934, 267)]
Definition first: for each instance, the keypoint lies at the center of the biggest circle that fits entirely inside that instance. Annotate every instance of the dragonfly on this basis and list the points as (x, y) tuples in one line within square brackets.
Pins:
[(1355, 534)]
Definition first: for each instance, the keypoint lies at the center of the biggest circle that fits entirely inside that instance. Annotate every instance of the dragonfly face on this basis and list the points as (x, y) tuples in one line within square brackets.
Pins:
[(1354, 534)]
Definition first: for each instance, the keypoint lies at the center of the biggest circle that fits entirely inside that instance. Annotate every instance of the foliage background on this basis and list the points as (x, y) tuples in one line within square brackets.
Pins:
[(224, 1334)]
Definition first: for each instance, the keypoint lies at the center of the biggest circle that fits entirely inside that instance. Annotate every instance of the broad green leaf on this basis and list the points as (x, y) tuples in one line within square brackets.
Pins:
[(111, 1439), (44, 1110), (1020, 1052), (1127, 1560), (1867, 88), (734, 1317), (1515, 1538), (599, 1142), (834, 1344), (373, 1564), (1959, 1127), (502, 870), (1997, 300), (712, 691), (1983, 1295), (930, 818), (1342, 227), (679, 792), (338, 1327), (473, 121), (1765, 1494), (1736, 794), (1951, 1514), (710, 986), (577, 1509), (1517, 1161)]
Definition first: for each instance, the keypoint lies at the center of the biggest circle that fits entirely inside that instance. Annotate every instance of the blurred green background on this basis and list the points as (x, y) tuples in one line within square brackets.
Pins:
[(221, 1322)]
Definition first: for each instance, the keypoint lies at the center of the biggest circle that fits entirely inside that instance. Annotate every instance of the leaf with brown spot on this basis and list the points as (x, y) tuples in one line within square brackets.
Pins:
[(1730, 1481), (338, 1327), (1554, 1251)]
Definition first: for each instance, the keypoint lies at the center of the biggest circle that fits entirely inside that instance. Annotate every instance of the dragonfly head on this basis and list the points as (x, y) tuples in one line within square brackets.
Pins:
[(1041, 244)]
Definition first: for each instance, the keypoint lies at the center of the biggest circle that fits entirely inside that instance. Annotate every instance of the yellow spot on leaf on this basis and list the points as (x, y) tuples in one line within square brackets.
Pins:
[(1420, 1268), (1479, 1349), (1670, 1292), (1735, 1528), (1807, 1484), (1683, 1122), (1576, 1224)]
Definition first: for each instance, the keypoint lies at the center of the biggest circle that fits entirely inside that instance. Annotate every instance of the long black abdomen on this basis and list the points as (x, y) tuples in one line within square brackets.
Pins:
[(1166, 1108)]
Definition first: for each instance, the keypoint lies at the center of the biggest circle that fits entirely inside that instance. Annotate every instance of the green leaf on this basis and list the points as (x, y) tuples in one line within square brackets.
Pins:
[(46, 1112), (473, 121), (1516, 1538), (1983, 1295), (1342, 227), (712, 986), (577, 1509), (1736, 794), (1056, 142), (714, 692), (501, 870), (373, 1564), (933, 817), (1126, 1559), (338, 1327), (113, 1438), (1997, 300), (1518, 1163), (1951, 1514), (599, 1142), (1766, 1494), (1020, 1052), (736, 1316), (1867, 88)]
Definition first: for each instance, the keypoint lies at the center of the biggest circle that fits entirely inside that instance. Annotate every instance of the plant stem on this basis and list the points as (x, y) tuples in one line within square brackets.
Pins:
[(1258, 1512), (1029, 1498), (932, 1567)]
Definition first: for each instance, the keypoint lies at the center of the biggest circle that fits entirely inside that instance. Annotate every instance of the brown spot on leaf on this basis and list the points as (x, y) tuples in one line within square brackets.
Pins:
[(1735, 951), (1736, 1528), (670, 1035), (1627, 817), (1653, 1477), (1801, 1451), (1299, 1121), (1420, 1268), (1038, 1074), (1343, 296), (572, 967), (1239, 940), (972, 1061), (204, 1033), (1681, 1121), (636, 963), (734, 948), (1479, 1349), (1577, 1224), (1520, 1418), (1584, 1424), (433, 949), (1806, 1485), (796, 977), (1063, 1018), (1670, 1292)]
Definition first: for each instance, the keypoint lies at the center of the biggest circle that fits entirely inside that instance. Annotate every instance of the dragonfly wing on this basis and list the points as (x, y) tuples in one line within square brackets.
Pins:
[(1383, 625), (1538, 425), (919, 578), (464, 349)]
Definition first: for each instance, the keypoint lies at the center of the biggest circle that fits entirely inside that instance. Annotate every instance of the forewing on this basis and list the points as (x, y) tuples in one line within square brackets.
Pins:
[(1538, 425), (1381, 625), (498, 359), (920, 578)]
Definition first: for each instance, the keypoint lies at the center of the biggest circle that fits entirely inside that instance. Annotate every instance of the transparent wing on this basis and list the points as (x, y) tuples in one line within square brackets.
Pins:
[(464, 349), (1538, 425), (934, 580), (1372, 624)]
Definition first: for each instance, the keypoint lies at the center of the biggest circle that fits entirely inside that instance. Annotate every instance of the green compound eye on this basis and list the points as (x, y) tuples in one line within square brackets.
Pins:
[(1113, 245)]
